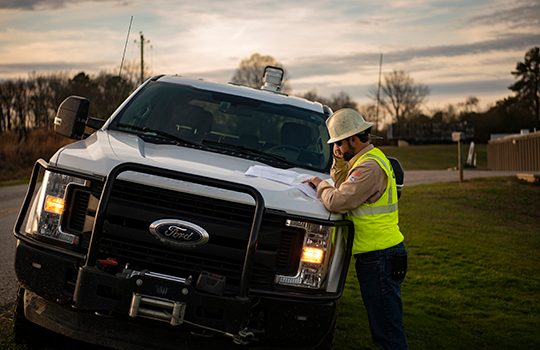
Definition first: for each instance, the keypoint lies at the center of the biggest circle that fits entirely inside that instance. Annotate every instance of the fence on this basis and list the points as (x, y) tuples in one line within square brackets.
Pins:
[(429, 132), (515, 152)]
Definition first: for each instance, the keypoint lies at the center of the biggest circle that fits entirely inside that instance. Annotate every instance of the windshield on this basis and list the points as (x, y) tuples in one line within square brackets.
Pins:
[(225, 123)]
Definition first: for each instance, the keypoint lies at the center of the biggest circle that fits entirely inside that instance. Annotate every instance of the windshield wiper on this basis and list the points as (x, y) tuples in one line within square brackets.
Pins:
[(146, 132), (258, 154)]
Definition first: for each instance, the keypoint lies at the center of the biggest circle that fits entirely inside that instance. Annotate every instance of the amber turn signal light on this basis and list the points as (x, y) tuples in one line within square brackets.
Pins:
[(312, 255), (54, 205)]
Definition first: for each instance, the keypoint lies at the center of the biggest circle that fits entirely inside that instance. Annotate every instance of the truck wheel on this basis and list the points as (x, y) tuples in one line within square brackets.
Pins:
[(328, 341), (20, 323), (24, 331)]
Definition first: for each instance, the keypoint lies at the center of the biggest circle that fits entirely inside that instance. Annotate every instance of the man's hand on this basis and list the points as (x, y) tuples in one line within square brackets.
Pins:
[(313, 182), (337, 152)]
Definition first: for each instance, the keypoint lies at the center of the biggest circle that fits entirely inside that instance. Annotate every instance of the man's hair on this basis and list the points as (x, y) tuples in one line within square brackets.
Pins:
[(364, 135)]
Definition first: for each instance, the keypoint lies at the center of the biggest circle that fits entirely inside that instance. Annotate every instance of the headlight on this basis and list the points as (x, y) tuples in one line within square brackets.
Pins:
[(318, 254), (48, 208)]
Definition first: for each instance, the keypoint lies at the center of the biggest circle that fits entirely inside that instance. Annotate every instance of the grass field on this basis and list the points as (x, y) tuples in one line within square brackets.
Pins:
[(17, 157), (433, 157), (473, 278), (473, 261)]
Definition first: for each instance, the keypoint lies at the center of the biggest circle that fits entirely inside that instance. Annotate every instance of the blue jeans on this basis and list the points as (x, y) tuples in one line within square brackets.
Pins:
[(380, 289)]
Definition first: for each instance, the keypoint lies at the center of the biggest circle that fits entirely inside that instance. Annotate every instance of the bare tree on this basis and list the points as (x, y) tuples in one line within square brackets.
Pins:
[(250, 71), (471, 104), (448, 114), (335, 102), (401, 97), (131, 72), (113, 90), (342, 100), (21, 105), (8, 91), (41, 103), (369, 112), (312, 95)]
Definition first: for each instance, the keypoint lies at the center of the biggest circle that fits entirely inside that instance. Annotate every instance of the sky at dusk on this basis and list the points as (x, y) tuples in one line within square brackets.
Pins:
[(457, 48)]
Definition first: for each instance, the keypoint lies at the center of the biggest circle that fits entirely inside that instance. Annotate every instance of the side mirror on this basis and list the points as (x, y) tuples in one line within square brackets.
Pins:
[(71, 117)]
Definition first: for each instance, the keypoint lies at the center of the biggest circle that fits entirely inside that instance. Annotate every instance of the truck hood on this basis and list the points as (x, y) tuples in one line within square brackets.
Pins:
[(105, 149)]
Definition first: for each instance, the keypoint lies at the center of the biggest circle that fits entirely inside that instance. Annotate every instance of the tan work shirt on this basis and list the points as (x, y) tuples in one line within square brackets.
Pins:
[(364, 183)]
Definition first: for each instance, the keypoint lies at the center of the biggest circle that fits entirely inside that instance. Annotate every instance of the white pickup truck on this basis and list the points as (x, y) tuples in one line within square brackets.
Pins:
[(148, 233)]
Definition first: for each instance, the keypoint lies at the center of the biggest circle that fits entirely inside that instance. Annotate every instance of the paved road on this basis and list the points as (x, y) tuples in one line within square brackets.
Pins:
[(11, 199), (416, 177)]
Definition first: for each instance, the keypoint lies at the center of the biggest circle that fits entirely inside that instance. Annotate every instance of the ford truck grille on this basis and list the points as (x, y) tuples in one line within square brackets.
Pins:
[(133, 207)]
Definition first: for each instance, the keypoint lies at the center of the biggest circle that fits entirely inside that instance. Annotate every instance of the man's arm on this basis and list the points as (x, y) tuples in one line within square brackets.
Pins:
[(339, 171), (365, 183), (340, 167)]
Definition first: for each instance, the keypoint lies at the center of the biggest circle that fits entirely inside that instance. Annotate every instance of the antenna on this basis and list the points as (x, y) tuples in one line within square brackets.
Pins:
[(378, 96), (125, 46)]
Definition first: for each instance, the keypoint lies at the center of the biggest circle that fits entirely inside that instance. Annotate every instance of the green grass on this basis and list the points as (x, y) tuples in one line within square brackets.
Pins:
[(433, 157), (473, 279)]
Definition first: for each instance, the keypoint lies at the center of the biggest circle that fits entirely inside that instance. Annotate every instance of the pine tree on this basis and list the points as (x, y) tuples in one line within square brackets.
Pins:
[(527, 87)]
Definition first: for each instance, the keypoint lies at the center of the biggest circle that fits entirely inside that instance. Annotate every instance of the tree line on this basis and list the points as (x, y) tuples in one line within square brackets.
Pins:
[(32, 102), (399, 101)]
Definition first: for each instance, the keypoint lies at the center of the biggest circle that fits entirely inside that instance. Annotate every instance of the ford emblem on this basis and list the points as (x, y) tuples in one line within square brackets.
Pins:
[(179, 233)]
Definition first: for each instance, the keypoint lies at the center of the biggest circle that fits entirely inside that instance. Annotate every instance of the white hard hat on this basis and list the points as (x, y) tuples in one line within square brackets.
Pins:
[(344, 123)]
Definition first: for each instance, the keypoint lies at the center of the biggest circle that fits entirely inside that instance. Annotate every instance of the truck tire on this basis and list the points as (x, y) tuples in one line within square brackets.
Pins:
[(328, 341), (24, 331)]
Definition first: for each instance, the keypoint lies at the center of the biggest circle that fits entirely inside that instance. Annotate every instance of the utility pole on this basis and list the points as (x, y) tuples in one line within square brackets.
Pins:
[(142, 41), (458, 136), (378, 96)]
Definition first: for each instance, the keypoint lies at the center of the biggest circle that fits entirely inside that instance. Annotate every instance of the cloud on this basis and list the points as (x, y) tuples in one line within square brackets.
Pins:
[(328, 45), (520, 14), (43, 4), (508, 42), (332, 65), (50, 67), (220, 75), (471, 87)]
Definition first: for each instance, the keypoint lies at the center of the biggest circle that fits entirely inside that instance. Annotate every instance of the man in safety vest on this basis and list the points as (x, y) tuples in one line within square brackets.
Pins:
[(365, 190)]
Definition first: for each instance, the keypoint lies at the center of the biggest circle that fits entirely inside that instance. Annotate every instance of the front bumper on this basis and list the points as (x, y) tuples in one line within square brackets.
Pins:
[(99, 309)]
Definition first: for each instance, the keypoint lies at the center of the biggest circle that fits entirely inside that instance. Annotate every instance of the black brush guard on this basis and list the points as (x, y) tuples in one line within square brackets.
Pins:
[(89, 274)]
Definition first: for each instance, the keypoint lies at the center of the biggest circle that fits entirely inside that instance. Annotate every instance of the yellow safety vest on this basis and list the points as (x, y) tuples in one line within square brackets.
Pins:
[(376, 224)]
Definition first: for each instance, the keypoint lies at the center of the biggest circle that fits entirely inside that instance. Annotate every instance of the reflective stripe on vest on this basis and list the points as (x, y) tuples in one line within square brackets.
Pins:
[(383, 209), (376, 224)]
